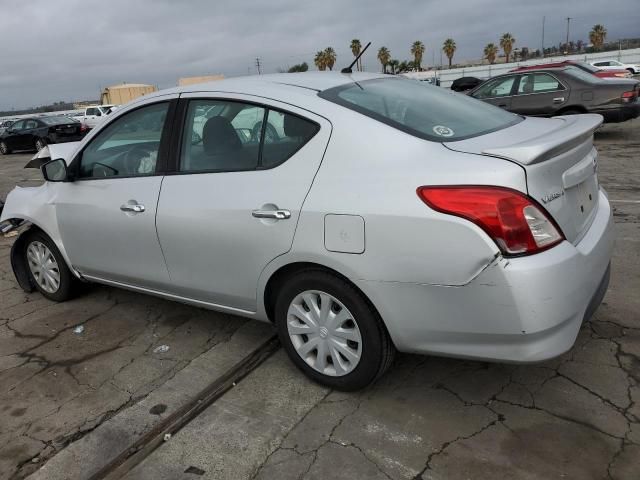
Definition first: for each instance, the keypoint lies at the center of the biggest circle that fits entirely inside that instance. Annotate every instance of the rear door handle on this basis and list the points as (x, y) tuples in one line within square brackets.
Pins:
[(135, 208), (275, 214), (558, 100)]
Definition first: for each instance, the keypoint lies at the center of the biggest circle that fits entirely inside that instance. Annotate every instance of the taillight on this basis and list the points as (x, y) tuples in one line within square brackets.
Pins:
[(517, 223), (629, 96)]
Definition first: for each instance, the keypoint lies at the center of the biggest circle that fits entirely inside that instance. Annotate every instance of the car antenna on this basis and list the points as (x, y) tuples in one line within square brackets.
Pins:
[(348, 69)]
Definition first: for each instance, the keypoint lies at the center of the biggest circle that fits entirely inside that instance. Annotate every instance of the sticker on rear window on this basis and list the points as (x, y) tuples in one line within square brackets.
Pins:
[(443, 131)]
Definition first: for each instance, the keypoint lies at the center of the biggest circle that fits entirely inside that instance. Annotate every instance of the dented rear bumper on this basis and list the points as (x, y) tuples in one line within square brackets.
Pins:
[(524, 309)]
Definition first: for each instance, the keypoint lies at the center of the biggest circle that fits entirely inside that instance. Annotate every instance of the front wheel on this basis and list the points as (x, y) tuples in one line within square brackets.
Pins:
[(4, 149), (331, 332), (47, 269)]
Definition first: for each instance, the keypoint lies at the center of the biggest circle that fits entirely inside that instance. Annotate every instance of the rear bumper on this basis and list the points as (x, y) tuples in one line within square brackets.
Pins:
[(620, 114), (524, 309)]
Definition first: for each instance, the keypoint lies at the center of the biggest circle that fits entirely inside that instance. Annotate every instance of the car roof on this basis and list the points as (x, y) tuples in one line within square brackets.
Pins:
[(275, 85)]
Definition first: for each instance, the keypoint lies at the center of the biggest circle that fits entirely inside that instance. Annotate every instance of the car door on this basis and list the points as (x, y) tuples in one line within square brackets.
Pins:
[(233, 204), (29, 135), (497, 91), (539, 94), (106, 215)]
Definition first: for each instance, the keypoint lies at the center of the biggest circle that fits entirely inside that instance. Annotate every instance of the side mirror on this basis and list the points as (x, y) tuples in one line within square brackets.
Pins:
[(55, 170)]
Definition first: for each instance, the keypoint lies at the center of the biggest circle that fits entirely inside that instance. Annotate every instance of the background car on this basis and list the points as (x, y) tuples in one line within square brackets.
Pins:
[(561, 91), (36, 133), (613, 65), (598, 72), (464, 84)]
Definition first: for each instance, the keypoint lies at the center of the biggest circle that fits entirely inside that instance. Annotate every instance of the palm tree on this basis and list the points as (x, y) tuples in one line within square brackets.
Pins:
[(330, 56), (385, 57), (597, 35), (394, 64), (356, 47), (449, 48), (490, 52), (506, 42), (417, 50), (320, 60)]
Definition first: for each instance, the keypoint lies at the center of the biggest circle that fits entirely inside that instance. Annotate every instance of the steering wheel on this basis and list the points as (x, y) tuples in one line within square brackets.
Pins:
[(133, 158)]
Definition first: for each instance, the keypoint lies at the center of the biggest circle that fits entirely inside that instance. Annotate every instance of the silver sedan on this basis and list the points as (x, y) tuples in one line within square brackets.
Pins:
[(361, 214)]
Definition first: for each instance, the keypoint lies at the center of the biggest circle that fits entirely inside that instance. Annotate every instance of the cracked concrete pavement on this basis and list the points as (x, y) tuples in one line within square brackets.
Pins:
[(576, 416)]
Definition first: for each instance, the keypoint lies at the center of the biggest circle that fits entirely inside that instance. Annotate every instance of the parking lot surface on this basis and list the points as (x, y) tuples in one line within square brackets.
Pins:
[(71, 401)]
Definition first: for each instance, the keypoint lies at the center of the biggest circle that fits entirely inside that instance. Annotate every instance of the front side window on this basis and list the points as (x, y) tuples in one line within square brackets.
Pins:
[(538, 83), (500, 87), (16, 126), (128, 146), (223, 136), (423, 110)]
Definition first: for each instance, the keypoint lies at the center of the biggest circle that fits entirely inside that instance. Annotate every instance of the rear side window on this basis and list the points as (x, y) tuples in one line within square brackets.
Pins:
[(224, 136), (538, 83), (422, 110)]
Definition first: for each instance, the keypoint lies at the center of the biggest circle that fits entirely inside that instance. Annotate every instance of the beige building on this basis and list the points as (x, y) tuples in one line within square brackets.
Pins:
[(202, 79), (120, 94)]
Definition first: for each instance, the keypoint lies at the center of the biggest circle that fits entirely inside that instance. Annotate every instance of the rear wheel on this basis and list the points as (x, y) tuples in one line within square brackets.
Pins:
[(47, 269), (4, 149), (40, 144), (331, 332)]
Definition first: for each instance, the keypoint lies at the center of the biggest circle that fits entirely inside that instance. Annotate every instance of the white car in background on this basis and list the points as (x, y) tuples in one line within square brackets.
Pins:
[(616, 65)]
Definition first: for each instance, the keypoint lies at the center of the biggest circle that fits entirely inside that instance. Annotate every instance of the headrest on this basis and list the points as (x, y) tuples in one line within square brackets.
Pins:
[(219, 136)]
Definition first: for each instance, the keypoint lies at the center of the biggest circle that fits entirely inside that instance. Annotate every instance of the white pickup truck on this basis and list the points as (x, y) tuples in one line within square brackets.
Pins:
[(94, 114)]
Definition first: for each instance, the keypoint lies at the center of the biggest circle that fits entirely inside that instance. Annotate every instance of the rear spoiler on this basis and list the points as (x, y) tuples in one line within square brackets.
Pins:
[(576, 130)]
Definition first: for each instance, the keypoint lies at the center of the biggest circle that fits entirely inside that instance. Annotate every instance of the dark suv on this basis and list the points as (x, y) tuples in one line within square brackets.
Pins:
[(561, 91)]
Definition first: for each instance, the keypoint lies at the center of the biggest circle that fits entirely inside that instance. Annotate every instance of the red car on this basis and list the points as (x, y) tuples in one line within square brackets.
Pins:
[(622, 73)]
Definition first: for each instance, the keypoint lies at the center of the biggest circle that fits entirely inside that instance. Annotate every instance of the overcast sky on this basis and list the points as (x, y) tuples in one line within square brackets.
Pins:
[(68, 49)]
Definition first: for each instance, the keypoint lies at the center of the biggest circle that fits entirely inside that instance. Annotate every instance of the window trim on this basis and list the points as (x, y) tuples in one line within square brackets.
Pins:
[(163, 149), (175, 149)]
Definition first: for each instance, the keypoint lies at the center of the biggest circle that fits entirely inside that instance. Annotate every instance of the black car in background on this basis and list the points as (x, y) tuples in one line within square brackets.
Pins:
[(35, 133), (561, 91)]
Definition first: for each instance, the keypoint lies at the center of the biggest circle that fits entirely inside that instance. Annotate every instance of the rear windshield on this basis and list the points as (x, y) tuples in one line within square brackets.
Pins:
[(57, 120), (426, 111), (584, 76), (585, 66)]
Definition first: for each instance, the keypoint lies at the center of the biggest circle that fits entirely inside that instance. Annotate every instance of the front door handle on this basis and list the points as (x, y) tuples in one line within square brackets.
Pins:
[(275, 214), (134, 208), (558, 100)]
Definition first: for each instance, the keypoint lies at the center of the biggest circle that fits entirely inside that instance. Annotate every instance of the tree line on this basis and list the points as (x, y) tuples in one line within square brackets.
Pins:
[(326, 59)]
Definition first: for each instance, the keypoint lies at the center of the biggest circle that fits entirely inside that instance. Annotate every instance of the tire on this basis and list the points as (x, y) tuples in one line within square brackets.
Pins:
[(374, 348), (4, 149), (40, 144), (67, 284), (631, 71)]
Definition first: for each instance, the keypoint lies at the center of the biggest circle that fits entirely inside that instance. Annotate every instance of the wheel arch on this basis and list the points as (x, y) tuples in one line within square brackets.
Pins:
[(568, 108), (282, 273)]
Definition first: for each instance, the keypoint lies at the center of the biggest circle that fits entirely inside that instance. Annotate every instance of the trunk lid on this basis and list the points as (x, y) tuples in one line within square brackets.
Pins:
[(560, 163)]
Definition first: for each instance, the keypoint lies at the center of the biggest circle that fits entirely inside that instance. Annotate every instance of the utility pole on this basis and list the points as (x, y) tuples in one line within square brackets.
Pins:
[(567, 44), (542, 45), (258, 65)]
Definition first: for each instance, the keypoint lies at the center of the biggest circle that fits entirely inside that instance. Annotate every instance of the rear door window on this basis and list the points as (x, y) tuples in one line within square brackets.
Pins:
[(224, 136), (538, 83)]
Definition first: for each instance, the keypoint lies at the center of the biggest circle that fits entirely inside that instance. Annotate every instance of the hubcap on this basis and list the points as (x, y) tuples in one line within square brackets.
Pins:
[(324, 333), (43, 266)]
